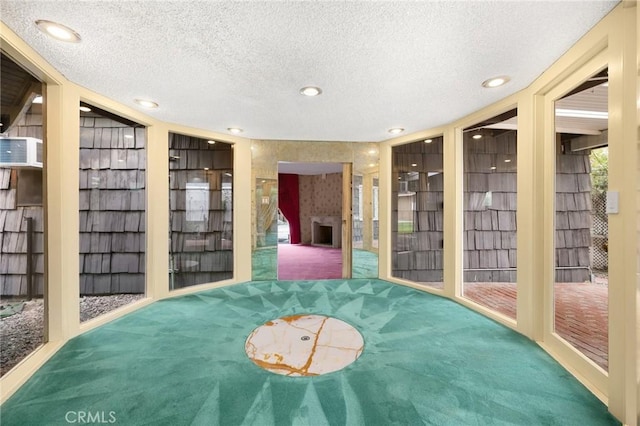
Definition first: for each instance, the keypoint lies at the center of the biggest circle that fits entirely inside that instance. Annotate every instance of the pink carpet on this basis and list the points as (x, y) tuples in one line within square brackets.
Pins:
[(301, 262)]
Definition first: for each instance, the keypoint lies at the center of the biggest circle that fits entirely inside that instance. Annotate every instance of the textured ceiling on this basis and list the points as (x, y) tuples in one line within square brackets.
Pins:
[(214, 65)]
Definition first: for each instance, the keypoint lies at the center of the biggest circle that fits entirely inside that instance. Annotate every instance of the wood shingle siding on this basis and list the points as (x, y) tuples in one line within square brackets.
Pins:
[(573, 216), (202, 250), (489, 216), (13, 225), (417, 221), (112, 207)]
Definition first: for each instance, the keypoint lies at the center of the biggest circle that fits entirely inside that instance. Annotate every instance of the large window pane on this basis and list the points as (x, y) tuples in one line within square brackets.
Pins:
[(417, 208), (272, 229), (112, 211), (375, 224), (201, 211), (490, 228), (364, 208), (581, 225), (22, 229)]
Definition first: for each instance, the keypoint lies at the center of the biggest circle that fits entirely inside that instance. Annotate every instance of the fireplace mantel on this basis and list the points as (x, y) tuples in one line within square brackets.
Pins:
[(319, 225)]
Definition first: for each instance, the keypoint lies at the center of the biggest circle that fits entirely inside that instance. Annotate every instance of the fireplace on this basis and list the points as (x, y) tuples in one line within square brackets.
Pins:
[(324, 235), (326, 231)]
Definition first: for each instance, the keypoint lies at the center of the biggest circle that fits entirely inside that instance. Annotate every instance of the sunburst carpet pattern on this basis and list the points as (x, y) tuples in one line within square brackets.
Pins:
[(426, 360)]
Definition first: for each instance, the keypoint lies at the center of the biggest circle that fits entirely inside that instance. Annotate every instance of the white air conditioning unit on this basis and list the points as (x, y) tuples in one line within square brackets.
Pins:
[(20, 152)]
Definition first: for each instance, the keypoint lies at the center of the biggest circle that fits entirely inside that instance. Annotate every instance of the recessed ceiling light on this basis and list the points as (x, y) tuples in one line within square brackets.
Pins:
[(428, 140), (495, 82), (235, 130), (37, 100), (311, 91), (211, 142), (414, 164), (206, 168), (396, 130), (146, 103), (128, 136), (477, 136), (493, 167), (58, 31), (85, 108), (373, 151), (507, 160)]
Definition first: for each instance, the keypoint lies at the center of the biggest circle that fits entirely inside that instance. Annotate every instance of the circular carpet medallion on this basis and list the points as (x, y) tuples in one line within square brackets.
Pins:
[(304, 345)]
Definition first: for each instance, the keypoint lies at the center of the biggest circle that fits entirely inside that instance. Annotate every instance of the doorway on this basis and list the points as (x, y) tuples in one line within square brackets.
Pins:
[(315, 202)]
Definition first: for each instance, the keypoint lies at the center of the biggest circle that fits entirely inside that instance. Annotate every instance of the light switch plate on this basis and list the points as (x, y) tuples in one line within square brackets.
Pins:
[(613, 199)]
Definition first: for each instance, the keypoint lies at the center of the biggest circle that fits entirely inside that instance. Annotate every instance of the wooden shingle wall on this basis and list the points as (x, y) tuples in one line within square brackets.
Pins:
[(573, 216), (13, 227), (416, 219), (112, 207), (202, 251), (490, 201)]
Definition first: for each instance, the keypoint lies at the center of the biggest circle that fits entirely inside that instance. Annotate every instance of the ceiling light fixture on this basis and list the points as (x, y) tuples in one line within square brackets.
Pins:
[(85, 108), (493, 167), (37, 100), (146, 103), (396, 130), (495, 82), (311, 91), (507, 160), (477, 136), (576, 113), (428, 140), (58, 31), (414, 165), (211, 142), (373, 151), (235, 130), (128, 136)]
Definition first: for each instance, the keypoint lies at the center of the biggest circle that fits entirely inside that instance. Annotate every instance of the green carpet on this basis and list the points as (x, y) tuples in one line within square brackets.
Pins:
[(264, 263), (427, 360)]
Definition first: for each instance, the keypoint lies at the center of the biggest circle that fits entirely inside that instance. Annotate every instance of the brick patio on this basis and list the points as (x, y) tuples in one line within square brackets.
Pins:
[(580, 311)]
